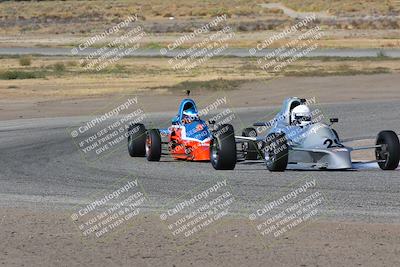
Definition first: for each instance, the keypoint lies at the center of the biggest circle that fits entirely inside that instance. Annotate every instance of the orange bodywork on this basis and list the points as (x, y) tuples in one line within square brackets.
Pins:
[(188, 149)]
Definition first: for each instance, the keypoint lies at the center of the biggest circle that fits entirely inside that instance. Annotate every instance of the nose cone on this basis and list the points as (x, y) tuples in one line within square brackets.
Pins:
[(338, 158)]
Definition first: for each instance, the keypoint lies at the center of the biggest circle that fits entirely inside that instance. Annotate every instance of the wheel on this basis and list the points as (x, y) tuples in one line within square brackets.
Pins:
[(277, 152), (223, 148), (136, 140), (390, 150), (250, 148), (153, 145)]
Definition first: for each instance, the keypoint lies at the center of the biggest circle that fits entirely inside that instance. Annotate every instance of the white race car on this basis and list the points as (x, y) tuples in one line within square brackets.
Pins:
[(297, 141)]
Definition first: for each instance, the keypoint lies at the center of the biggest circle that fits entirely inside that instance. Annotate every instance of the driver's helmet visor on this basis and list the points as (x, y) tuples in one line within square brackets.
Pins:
[(302, 118), (189, 116)]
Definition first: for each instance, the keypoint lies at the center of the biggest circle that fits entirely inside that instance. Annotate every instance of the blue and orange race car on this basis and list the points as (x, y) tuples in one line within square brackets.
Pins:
[(188, 138)]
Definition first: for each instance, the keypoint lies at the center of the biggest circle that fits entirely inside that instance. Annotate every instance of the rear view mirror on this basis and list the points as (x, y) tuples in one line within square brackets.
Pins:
[(334, 120)]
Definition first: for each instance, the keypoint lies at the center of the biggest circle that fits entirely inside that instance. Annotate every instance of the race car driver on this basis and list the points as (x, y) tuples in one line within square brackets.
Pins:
[(301, 116), (189, 115)]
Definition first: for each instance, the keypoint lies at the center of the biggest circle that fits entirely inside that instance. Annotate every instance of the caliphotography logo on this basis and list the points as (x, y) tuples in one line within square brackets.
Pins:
[(288, 212), (109, 212), (199, 211), (109, 130), (199, 133)]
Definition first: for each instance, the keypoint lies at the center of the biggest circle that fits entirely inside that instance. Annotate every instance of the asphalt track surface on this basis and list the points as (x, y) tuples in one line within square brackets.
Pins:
[(42, 168), (236, 52)]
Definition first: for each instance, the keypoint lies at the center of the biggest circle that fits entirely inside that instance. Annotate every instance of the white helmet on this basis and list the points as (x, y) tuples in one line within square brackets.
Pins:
[(301, 116)]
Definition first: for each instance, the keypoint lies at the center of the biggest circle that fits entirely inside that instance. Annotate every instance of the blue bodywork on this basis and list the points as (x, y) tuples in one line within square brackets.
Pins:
[(196, 129)]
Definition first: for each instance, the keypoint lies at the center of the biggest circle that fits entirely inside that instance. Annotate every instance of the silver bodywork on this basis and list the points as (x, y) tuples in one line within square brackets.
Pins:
[(314, 146)]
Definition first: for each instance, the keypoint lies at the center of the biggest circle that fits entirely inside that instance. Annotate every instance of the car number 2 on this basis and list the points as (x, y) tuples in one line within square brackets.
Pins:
[(330, 143)]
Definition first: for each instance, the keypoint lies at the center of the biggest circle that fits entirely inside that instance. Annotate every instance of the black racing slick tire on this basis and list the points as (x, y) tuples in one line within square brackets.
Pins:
[(250, 148), (136, 140), (390, 150), (223, 148), (277, 152), (153, 145)]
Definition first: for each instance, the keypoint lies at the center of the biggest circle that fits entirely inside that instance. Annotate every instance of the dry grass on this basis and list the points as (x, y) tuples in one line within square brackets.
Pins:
[(114, 10), (331, 39), (67, 23), (154, 74), (86, 17), (338, 7), (244, 41)]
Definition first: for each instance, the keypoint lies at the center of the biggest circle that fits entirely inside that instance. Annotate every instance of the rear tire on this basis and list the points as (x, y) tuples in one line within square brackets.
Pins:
[(277, 151), (250, 148), (153, 145), (137, 140), (390, 152), (223, 148)]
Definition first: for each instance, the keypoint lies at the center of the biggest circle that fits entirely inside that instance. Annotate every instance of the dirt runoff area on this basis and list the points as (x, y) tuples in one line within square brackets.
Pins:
[(251, 93), (38, 238)]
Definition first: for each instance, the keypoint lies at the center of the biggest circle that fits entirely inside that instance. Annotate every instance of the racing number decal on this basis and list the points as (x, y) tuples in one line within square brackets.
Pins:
[(330, 143)]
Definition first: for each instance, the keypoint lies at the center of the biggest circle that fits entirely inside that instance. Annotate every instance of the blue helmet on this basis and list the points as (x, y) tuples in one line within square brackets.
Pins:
[(191, 113)]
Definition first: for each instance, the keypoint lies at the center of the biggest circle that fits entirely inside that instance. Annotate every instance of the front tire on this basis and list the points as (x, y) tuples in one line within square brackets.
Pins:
[(390, 150), (250, 148), (136, 140), (223, 148), (277, 152), (153, 145)]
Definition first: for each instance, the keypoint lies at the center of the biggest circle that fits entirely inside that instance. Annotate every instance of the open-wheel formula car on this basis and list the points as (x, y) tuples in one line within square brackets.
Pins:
[(296, 141), (188, 138)]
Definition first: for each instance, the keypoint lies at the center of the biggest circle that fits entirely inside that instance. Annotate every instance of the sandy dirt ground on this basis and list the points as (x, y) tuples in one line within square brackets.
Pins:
[(36, 238), (261, 93)]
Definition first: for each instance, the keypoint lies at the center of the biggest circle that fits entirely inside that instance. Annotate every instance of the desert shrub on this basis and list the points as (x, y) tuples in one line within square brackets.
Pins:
[(59, 67), (18, 74), (72, 63), (25, 60)]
